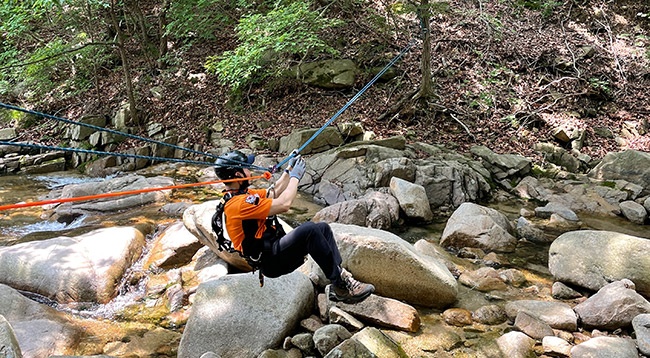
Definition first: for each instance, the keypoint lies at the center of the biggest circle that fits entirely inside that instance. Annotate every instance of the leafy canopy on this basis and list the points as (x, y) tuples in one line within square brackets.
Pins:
[(268, 42)]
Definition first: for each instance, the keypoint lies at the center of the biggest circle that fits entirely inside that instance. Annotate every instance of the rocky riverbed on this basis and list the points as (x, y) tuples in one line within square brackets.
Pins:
[(481, 256)]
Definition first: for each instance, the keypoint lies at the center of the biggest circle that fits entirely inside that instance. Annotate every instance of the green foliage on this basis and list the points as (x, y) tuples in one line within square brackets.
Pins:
[(202, 18), (600, 86), (268, 43)]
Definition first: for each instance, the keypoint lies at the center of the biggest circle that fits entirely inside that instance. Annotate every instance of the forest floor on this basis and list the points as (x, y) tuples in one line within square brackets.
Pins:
[(505, 75)]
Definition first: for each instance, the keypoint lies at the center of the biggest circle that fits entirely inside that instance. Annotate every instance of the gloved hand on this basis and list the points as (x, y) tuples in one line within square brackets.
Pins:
[(298, 169), (294, 159)]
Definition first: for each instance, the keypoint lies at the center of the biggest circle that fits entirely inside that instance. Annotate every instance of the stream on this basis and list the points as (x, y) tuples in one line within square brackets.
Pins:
[(35, 223)]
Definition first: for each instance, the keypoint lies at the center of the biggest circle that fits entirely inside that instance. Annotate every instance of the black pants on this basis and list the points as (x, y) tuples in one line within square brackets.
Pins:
[(288, 253)]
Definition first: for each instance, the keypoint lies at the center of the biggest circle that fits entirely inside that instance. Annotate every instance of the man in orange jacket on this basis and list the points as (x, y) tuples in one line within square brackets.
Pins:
[(247, 213)]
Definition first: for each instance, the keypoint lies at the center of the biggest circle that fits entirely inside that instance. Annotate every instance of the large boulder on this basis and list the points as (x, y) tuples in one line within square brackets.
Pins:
[(391, 264), (592, 259), (41, 331), (630, 165), (613, 306), (9, 347), (328, 74), (198, 221), (84, 268), (174, 247), (234, 317), (473, 225), (375, 209), (127, 183), (558, 315)]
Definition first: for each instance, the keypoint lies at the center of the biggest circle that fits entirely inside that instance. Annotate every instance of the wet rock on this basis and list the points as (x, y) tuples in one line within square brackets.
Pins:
[(330, 336), (532, 326), (174, 247), (277, 308), (40, 330), (457, 317), (471, 253), (490, 314), (159, 340), (473, 225), (84, 268), (528, 231), (484, 279), (384, 312), (556, 347), (641, 325), (605, 347), (412, 199), (513, 277), (561, 291), (516, 345), (378, 343), (634, 212), (556, 314), (606, 255), (613, 306), (546, 211), (390, 263)]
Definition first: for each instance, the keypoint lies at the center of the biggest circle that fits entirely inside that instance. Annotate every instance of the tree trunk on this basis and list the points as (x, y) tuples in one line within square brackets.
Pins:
[(125, 64), (426, 86), (162, 23)]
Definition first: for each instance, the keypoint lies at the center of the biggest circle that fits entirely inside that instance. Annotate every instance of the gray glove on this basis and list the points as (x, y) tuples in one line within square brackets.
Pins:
[(298, 169), (294, 159)]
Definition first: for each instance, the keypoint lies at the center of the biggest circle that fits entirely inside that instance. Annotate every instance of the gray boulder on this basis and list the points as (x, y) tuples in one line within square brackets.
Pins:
[(329, 138), (556, 314), (84, 268), (126, 183), (174, 247), (472, 225), (516, 345), (390, 263), (634, 211), (612, 307), (503, 166), (40, 330), (412, 199), (605, 347), (234, 317), (630, 165), (592, 259), (641, 325), (8, 343), (375, 209)]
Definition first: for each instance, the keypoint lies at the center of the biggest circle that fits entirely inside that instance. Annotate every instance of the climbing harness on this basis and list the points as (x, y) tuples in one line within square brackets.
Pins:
[(274, 231)]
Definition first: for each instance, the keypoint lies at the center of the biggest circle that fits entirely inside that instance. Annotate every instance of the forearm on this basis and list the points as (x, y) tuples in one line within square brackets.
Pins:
[(283, 201), (281, 183)]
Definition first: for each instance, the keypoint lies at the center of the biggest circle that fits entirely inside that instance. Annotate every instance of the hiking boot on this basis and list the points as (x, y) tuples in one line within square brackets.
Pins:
[(349, 290)]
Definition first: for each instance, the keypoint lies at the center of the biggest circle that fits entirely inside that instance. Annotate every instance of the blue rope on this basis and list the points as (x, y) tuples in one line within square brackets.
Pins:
[(87, 151), (356, 96), (45, 115)]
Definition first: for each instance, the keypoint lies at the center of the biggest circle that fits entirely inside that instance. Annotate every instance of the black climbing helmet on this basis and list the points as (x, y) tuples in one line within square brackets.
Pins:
[(232, 162)]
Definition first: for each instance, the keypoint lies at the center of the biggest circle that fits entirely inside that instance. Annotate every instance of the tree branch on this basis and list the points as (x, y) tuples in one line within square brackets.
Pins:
[(58, 54)]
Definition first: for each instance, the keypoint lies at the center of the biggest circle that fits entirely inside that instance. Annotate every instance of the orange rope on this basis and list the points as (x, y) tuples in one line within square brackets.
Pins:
[(266, 176)]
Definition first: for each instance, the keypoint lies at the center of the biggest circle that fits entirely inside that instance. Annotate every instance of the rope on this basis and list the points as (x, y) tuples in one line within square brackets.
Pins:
[(133, 136), (87, 151), (266, 176), (350, 102)]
